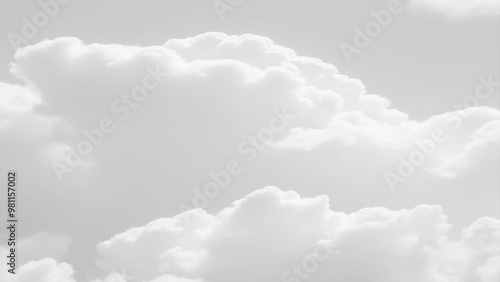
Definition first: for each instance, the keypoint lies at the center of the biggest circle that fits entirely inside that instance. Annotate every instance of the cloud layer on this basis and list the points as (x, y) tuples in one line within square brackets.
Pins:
[(181, 110), (272, 235)]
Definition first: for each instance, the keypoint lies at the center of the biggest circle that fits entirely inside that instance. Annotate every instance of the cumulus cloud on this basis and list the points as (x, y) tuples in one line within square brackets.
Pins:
[(272, 235), (460, 8), (211, 92), (212, 87), (45, 270), (37, 257)]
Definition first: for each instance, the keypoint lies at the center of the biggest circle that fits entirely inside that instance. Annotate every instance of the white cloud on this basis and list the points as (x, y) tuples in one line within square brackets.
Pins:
[(272, 235), (44, 270), (217, 91), (460, 8), (36, 259), (16, 98), (264, 234)]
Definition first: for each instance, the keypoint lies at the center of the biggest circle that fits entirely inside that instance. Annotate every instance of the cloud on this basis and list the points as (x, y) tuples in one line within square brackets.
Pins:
[(273, 235), (269, 233), (16, 99), (460, 8), (37, 257), (44, 270), (213, 92), (212, 87)]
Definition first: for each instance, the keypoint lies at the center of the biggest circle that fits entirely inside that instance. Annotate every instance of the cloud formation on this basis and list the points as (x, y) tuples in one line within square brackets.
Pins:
[(217, 86), (273, 235), (267, 236), (214, 91), (460, 8), (37, 259)]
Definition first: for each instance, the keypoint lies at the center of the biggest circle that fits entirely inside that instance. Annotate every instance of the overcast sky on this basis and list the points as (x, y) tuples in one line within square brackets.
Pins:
[(231, 140)]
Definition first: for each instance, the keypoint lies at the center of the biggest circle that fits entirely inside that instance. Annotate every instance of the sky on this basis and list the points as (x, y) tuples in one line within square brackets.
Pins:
[(252, 140)]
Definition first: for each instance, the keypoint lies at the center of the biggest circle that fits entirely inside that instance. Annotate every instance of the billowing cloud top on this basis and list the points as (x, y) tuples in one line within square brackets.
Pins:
[(218, 88), (271, 235), (153, 120)]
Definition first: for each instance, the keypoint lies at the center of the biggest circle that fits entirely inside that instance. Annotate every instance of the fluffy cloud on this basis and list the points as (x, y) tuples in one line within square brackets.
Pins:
[(212, 87), (45, 270), (205, 96), (37, 259), (271, 235), (461, 8), (22, 131)]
